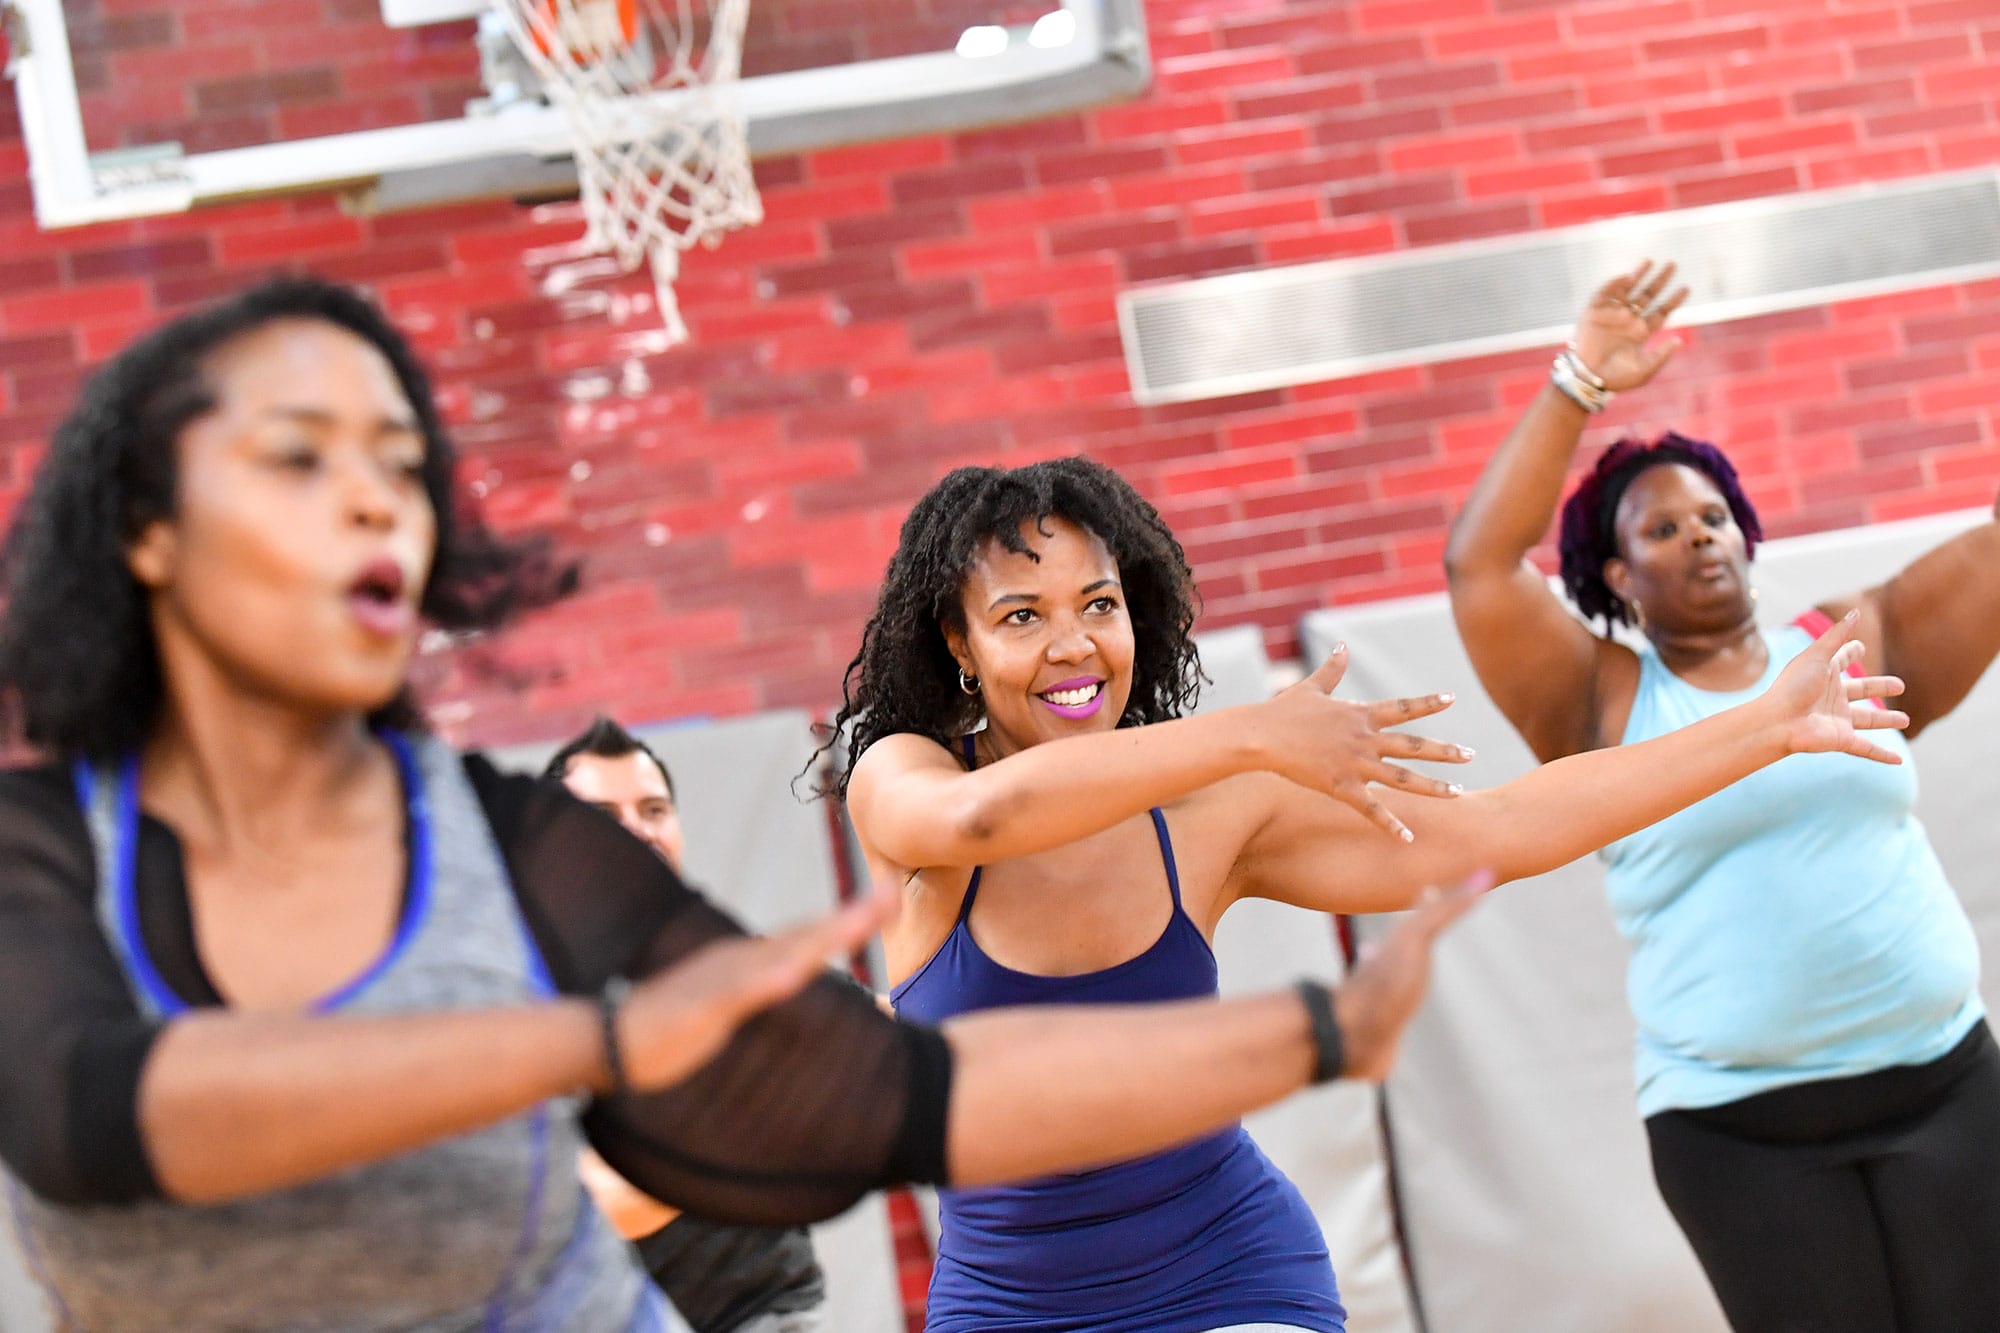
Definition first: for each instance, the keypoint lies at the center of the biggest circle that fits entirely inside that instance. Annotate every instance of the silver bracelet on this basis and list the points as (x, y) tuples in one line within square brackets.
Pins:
[(1578, 382)]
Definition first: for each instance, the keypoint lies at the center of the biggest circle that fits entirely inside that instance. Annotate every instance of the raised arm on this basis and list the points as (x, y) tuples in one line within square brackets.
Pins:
[(1937, 622), (916, 807), (1317, 857), (1546, 671)]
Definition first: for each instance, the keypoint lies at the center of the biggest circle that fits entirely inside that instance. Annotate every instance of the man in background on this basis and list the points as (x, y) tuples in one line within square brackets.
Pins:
[(723, 1279)]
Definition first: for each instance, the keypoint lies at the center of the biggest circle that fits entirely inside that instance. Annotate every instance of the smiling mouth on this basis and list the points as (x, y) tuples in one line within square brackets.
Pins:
[(1076, 697)]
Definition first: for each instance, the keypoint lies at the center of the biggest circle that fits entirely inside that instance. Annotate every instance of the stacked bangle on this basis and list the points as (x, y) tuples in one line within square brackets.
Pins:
[(1329, 1052), (1578, 382)]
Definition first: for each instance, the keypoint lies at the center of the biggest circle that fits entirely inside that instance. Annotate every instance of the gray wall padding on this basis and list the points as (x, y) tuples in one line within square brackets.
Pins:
[(1529, 1200), (21, 1306)]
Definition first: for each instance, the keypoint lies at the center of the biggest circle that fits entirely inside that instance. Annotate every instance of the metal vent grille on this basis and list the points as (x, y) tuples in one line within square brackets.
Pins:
[(1210, 337)]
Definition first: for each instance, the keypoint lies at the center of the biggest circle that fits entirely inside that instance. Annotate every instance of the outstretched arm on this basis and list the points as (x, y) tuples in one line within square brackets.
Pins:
[(1544, 670), (232, 1105), (1316, 857), (916, 807), (810, 1101), (1937, 622)]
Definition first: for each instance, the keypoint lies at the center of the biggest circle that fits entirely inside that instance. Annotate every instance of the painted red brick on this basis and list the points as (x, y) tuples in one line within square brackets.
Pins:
[(915, 304)]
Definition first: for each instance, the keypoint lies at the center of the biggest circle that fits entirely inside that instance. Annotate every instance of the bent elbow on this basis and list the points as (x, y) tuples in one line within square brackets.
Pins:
[(972, 822), (1464, 560)]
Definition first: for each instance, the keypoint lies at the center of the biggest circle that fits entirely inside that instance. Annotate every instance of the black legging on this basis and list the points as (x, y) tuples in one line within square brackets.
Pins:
[(1854, 1205)]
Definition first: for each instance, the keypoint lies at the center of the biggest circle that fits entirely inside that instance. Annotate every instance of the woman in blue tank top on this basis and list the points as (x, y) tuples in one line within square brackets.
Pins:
[(1821, 1093), (1082, 844)]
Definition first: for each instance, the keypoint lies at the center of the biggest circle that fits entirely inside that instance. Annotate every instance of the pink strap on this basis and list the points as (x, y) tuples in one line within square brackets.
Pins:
[(1817, 622)]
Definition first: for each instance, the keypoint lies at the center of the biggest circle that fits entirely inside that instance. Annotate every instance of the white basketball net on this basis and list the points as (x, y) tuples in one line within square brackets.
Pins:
[(648, 90)]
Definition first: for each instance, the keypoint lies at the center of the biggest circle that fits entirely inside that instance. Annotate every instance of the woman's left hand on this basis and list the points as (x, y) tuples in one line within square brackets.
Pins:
[(1827, 709)]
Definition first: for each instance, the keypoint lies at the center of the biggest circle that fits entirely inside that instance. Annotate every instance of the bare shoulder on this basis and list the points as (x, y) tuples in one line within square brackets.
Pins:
[(1614, 685), (901, 753)]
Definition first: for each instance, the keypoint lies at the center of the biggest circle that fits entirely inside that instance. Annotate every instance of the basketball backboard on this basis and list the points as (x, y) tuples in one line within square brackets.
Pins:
[(131, 110)]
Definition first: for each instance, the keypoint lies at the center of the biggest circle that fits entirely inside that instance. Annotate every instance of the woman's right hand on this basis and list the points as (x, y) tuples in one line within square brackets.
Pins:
[(1339, 748), (677, 1020), (1824, 709), (1380, 996), (1613, 335)]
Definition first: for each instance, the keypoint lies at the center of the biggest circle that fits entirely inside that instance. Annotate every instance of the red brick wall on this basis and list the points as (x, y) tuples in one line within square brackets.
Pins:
[(914, 305)]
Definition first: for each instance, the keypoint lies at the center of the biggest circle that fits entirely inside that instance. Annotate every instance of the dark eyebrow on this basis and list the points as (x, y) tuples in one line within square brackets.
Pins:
[(314, 416), (1029, 599)]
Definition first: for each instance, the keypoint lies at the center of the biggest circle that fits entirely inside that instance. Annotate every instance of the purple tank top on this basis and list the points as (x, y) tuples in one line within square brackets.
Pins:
[(1200, 1236)]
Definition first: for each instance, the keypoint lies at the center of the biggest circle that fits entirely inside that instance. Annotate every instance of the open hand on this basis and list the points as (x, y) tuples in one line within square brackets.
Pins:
[(1339, 748), (1382, 993), (676, 1020), (1827, 709), (1613, 334)]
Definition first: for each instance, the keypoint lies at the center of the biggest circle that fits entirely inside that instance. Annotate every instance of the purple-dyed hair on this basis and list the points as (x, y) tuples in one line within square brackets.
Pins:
[(1589, 516)]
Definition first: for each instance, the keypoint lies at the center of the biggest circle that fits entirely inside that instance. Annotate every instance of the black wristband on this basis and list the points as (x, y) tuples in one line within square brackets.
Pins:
[(609, 1001), (1329, 1053)]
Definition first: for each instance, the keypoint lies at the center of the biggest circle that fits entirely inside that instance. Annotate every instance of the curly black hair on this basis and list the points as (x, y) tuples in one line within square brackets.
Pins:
[(1590, 515), (78, 662), (904, 679)]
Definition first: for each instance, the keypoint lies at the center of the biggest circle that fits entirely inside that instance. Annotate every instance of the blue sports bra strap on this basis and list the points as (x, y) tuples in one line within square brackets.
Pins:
[(1167, 854), (971, 755)]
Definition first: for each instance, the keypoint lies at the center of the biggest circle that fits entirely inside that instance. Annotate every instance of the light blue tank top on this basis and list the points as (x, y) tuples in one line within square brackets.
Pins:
[(1795, 926)]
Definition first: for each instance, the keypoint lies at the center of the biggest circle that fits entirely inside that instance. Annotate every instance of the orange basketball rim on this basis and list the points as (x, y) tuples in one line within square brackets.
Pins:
[(590, 29)]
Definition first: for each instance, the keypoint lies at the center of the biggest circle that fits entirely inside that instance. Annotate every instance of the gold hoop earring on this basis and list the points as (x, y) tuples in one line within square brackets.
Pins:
[(968, 684)]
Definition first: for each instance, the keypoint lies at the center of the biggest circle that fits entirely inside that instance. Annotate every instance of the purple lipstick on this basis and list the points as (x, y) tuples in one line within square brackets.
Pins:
[(1076, 698)]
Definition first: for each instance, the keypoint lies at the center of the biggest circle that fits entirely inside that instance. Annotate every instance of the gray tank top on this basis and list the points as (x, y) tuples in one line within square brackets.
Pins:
[(489, 1230)]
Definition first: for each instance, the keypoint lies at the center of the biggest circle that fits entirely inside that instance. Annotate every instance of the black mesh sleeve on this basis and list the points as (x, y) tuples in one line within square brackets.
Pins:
[(812, 1105), (72, 1043)]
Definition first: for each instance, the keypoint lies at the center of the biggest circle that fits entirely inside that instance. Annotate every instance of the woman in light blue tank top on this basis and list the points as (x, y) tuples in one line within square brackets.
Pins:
[(1081, 845), (1821, 1094)]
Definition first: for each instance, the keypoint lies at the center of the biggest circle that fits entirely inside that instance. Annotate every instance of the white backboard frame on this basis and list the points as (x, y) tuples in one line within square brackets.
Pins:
[(524, 151)]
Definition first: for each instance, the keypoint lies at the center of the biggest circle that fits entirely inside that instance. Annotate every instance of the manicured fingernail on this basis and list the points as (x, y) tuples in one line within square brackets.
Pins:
[(1466, 752), (1447, 697), (1406, 835), (1455, 789)]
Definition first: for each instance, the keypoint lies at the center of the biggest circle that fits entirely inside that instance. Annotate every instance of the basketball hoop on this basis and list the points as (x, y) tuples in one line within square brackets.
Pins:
[(647, 88)]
